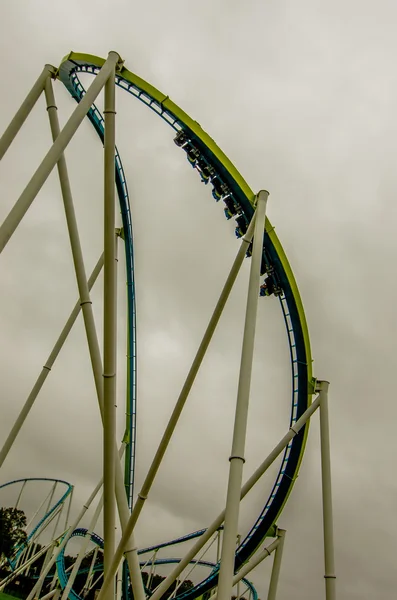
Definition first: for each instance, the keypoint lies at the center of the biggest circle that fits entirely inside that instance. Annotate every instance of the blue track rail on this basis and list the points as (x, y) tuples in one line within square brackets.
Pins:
[(228, 186), (96, 539), (69, 489)]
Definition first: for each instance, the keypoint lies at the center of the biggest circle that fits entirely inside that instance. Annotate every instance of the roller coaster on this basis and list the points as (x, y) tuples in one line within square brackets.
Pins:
[(270, 277)]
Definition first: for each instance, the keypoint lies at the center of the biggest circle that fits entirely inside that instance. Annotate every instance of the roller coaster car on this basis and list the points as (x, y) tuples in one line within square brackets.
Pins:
[(219, 189), (232, 208), (192, 155), (205, 170), (270, 287), (181, 138), (242, 226)]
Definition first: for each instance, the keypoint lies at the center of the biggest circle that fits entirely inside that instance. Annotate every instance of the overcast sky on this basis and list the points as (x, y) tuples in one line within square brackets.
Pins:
[(301, 96)]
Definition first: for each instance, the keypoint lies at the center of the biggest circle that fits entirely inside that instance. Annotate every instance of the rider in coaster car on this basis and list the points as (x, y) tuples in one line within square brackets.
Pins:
[(180, 138), (192, 155), (232, 208), (268, 287)]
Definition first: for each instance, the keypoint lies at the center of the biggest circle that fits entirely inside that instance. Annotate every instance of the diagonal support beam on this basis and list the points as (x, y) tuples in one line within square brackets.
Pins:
[(23, 203), (247, 487), (92, 339), (237, 457), (329, 553), (46, 369), (23, 112), (109, 331), (276, 565), (147, 484)]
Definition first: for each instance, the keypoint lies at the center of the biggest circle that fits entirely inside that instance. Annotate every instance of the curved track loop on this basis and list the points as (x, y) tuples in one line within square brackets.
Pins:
[(96, 539), (230, 187), (51, 511)]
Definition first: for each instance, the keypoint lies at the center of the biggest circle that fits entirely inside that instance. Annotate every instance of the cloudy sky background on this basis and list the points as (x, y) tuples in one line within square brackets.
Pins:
[(301, 97)]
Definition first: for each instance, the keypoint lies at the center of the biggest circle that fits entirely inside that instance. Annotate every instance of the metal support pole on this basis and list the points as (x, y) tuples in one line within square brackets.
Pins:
[(47, 558), (40, 176), (51, 497), (249, 484), (20, 493), (329, 559), (152, 568), (83, 548), (119, 582), (255, 561), (218, 545), (65, 540), (142, 496), (46, 369), (90, 573), (252, 564), (57, 522), (109, 331), (238, 591), (75, 243), (24, 110), (240, 424), (50, 594), (92, 339), (20, 569), (86, 540), (276, 566), (68, 509)]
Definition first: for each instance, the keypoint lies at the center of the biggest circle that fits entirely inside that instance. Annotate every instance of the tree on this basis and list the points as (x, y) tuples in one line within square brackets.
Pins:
[(12, 533)]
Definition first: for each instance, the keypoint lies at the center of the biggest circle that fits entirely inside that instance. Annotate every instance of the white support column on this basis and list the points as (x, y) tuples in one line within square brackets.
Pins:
[(251, 564), (119, 582), (238, 579), (255, 561), (218, 545), (109, 332), (237, 459), (92, 339), (19, 570), (142, 496), (329, 559), (276, 566), (19, 209), (82, 551), (47, 558), (24, 110), (90, 573), (86, 540), (20, 493), (249, 484), (46, 369), (74, 237), (65, 540), (51, 594)]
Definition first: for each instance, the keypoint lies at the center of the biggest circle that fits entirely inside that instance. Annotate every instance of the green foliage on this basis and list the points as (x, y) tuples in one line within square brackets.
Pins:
[(12, 533), (4, 596)]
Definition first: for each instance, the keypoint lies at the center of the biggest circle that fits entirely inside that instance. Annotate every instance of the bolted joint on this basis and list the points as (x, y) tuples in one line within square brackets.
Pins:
[(52, 70), (119, 61), (264, 193), (321, 386), (235, 457)]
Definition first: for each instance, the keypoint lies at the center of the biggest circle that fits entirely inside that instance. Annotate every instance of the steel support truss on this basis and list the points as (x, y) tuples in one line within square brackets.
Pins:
[(104, 373)]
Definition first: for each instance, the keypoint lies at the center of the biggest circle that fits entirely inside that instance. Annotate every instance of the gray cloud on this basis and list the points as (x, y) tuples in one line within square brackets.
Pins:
[(301, 97)]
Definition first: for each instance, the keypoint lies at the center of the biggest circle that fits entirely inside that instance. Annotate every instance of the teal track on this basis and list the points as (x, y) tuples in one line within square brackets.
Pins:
[(96, 539), (229, 187), (45, 518)]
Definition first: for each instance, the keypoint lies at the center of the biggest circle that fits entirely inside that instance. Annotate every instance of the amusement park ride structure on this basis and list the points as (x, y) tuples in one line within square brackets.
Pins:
[(270, 275)]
